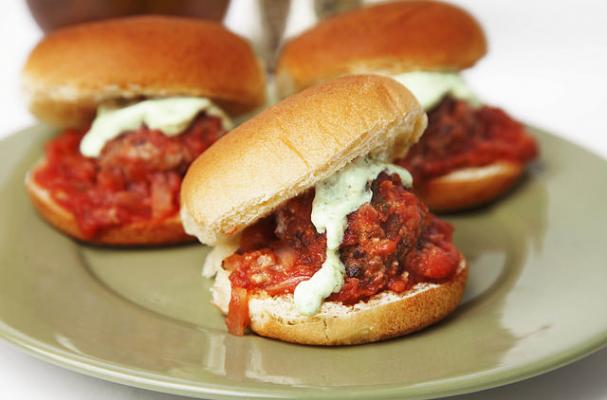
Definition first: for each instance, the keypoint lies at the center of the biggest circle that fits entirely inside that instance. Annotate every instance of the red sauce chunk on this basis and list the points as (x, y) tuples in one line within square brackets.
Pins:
[(391, 243), (461, 136), (136, 178)]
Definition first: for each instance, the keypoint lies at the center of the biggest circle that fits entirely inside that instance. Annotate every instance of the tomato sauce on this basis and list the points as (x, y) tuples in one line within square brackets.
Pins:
[(461, 136), (391, 243), (136, 178)]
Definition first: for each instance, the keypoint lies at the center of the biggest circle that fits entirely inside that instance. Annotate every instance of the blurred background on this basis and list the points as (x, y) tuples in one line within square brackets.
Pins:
[(547, 66), (547, 62)]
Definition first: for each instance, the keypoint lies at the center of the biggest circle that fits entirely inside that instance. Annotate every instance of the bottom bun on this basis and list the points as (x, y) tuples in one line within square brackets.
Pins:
[(167, 231), (470, 187), (385, 315)]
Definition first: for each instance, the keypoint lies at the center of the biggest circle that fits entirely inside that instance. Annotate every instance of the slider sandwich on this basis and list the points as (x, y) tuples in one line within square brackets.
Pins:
[(137, 100), (470, 153), (318, 238)]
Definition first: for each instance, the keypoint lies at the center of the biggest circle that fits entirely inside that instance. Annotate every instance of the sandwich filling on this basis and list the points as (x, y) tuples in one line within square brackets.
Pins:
[(334, 200), (357, 234), (460, 135), (461, 132), (430, 87), (128, 166)]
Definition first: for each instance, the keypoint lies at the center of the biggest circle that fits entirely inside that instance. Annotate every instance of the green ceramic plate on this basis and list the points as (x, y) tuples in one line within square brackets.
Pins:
[(535, 300)]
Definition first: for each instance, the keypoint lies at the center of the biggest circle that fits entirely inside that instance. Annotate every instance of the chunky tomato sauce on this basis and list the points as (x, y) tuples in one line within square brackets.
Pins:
[(461, 136), (137, 177), (391, 243)]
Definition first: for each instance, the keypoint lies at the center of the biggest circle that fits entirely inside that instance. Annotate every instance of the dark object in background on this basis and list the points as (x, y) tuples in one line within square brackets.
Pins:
[(52, 14)]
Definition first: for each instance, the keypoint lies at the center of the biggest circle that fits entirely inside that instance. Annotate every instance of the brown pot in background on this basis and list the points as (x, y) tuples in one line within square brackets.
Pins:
[(52, 14)]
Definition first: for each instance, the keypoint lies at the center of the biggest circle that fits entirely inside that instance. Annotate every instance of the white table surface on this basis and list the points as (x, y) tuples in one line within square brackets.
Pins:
[(547, 66)]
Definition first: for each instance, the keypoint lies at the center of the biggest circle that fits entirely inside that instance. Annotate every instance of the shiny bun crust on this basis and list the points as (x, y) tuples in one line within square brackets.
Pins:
[(384, 316), (291, 146), (152, 233), (74, 69), (470, 187), (393, 38)]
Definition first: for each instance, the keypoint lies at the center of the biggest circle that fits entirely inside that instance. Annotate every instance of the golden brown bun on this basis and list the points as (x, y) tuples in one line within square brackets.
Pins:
[(392, 38), (293, 145), (470, 187), (384, 316), (74, 69), (168, 231)]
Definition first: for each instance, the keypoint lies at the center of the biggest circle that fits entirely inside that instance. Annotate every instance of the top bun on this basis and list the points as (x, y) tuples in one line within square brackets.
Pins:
[(393, 38), (74, 69), (291, 146)]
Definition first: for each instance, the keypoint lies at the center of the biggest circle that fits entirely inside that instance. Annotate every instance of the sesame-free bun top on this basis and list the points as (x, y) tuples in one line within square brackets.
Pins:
[(74, 69), (291, 146), (393, 38)]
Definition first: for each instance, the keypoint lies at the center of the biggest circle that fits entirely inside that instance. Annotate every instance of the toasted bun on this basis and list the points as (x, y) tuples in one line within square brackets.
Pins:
[(293, 145), (168, 231), (393, 38), (470, 187), (74, 69), (384, 316)]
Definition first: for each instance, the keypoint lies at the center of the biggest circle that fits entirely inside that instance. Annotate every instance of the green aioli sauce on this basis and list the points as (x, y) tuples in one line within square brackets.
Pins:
[(169, 115), (335, 198), (430, 87)]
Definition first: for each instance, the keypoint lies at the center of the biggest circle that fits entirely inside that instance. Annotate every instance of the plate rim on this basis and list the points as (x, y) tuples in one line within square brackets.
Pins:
[(470, 383)]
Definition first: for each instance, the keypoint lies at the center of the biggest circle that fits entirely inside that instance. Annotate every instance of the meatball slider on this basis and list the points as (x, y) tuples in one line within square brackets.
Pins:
[(318, 237), (137, 99), (471, 153)]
